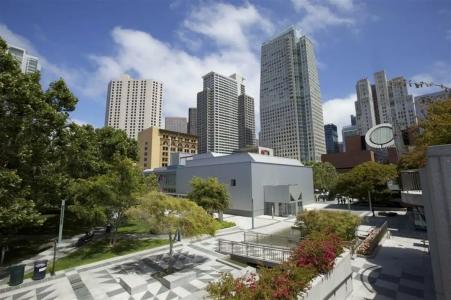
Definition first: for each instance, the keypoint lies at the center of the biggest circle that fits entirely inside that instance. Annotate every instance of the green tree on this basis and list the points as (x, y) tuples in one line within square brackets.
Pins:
[(435, 129), (171, 215), (210, 194), (364, 180), (325, 175), (151, 183), (105, 198)]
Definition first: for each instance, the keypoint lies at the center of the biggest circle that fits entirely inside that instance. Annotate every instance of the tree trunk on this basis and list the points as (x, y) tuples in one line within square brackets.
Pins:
[(171, 244), (220, 215), (369, 200)]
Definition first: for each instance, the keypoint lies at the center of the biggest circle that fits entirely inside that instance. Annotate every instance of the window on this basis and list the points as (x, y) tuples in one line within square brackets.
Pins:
[(233, 182)]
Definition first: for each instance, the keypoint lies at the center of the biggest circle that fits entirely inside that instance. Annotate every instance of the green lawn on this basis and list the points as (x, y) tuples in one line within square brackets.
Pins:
[(100, 250), (223, 224), (134, 227)]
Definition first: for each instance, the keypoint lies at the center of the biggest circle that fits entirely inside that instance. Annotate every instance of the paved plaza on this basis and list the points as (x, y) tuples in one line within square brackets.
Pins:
[(400, 270)]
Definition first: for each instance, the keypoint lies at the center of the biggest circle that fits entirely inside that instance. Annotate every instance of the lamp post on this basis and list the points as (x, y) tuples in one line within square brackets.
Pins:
[(252, 213), (60, 233)]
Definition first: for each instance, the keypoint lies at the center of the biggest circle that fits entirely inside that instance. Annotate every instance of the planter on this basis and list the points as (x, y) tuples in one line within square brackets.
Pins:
[(336, 285)]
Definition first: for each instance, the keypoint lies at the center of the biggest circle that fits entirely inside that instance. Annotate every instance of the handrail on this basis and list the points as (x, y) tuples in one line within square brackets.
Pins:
[(271, 239), (256, 251), (410, 180)]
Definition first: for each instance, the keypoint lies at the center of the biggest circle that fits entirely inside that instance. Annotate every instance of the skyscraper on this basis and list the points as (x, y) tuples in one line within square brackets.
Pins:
[(28, 63), (290, 102), (331, 137), (353, 120), (192, 120), (177, 124), (217, 114), (134, 105), (364, 106), (387, 99), (246, 121)]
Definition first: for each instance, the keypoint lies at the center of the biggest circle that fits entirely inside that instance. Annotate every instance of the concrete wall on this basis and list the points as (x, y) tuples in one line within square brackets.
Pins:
[(337, 285), (435, 182), (240, 195), (270, 174)]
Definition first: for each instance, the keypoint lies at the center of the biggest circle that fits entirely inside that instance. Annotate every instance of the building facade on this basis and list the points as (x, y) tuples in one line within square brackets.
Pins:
[(347, 131), (156, 145), (422, 102), (246, 121), (331, 137), (192, 120), (218, 116), (291, 113), (134, 105), (28, 63), (257, 184), (364, 107), (177, 124)]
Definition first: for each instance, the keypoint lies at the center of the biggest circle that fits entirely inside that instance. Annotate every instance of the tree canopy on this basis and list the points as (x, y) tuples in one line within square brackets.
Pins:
[(209, 194), (435, 129), (43, 154), (367, 177), (169, 215), (325, 175)]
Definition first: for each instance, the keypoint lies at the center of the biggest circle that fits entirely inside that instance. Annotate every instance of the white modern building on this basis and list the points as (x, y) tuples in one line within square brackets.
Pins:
[(364, 107), (134, 105), (291, 113), (177, 124), (28, 63), (218, 116), (257, 183)]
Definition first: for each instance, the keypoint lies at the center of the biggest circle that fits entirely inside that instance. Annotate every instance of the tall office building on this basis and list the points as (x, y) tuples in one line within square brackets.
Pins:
[(291, 113), (331, 137), (246, 121), (364, 107), (347, 131), (192, 120), (28, 63), (218, 113), (134, 105), (177, 124), (388, 100), (353, 120)]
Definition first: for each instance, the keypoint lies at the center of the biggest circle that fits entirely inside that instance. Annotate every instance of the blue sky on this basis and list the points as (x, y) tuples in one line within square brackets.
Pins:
[(91, 42)]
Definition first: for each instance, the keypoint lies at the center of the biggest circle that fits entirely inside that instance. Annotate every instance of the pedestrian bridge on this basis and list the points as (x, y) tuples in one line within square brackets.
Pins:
[(259, 254)]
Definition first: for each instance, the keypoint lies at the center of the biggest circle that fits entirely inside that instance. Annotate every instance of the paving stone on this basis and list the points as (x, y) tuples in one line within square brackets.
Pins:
[(411, 291)]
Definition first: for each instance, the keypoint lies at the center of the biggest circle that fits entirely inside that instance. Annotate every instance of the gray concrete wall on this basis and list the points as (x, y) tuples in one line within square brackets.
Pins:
[(436, 186), (240, 195), (271, 174)]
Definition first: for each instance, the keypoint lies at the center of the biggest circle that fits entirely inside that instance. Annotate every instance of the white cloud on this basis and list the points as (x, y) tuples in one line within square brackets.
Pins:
[(79, 122), (16, 40), (181, 72), (319, 15), (338, 111)]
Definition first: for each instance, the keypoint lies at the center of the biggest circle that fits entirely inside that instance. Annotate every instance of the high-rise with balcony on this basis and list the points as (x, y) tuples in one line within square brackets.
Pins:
[(364, 106), (28, 63), (387, 101), (218, 113), (291, 113), (134, 105)]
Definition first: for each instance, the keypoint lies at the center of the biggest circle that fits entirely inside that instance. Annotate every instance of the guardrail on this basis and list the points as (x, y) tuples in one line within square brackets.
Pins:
[(270, 239), (410, 180), (254, 251)]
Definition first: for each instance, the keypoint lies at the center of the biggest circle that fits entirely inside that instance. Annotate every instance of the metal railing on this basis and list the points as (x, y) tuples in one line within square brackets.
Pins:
[(410, 180), (254, 251), (289, 241)]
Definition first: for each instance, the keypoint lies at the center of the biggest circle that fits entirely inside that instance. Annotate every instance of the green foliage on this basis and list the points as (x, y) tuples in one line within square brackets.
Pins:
[(369, 177), (325, 175), (435, 129), (209, 194), (151, 183), (101, 250), (343, 224), (312, 257), (168, 215), (223, 224)]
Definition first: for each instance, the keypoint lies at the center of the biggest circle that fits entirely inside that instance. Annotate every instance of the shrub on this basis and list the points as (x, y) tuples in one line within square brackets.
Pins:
[(342, 224)]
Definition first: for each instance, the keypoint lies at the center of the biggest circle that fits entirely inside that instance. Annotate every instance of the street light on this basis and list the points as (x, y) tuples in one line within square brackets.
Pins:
[(60, 233)]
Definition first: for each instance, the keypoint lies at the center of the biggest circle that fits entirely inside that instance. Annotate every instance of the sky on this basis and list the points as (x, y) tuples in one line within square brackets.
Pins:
[(90, 42)]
